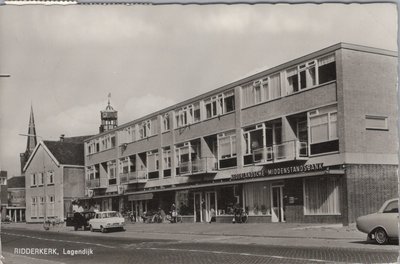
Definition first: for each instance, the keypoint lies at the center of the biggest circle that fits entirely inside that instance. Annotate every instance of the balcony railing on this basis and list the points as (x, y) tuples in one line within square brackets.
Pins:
[(133, 177), (289, 150), (94, 183), (200, 165)]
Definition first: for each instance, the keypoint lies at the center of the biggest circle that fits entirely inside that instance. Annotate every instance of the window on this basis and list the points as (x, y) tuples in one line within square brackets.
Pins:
[(196, 112), (50, 177), (34, 207), (323, 130), (50, 208), (41, 206), (321, 196), (154, 126), (262, 90), (327, 69), (257, 198), (392, 207), (92, 172), (166, 158), (33, 179), (376, 122), (112, 171), (229, 102), (145, 129), (227, 150), (165, 120), (153, 164), (292, 80), (311, 73), (254, 138), (220, 104), (40, 178)]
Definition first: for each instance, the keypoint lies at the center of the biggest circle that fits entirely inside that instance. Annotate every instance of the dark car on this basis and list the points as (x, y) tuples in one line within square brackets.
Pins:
[(79, 219)]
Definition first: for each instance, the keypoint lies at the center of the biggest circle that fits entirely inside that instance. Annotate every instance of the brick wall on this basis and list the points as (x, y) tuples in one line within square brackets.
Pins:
[(368, 186)]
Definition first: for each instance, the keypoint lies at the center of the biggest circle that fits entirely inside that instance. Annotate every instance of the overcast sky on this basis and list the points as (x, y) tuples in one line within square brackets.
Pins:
[(65, 60)]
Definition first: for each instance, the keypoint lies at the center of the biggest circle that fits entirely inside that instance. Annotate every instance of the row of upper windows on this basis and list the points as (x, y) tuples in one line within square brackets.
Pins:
[(300, 77), (100, 144), (38, 179)]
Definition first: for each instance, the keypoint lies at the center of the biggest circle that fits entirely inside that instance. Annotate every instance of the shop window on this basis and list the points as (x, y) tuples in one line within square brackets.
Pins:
[(257, 198), (321, 196), (227, 198), (323, 130), (327, 69), (376, 122)]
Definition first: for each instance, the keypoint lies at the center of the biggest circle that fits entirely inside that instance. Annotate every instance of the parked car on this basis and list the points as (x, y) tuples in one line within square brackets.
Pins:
[(107, 220), (382, 225), (79, 219)]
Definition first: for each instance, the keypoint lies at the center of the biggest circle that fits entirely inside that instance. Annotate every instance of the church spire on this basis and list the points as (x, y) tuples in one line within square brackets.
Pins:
[(31, 139)]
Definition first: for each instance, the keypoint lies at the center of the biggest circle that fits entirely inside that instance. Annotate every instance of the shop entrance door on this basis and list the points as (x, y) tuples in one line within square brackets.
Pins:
[(198, 207), (211, 205), (277, 204)]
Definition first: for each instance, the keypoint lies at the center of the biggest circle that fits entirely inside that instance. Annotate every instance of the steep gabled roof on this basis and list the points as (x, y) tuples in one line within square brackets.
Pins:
[(16, 182), (66, 153)]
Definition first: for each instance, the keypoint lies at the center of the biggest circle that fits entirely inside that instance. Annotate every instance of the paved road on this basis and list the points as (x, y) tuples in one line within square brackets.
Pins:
[(107, 248)]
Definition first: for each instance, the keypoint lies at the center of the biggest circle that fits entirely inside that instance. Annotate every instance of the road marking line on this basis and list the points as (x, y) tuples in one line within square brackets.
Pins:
[(243, 254), (58, 240)]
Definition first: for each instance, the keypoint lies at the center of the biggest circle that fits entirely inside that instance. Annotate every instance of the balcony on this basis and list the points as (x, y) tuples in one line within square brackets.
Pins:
[(94, 183), (198, 166), (133, 177), (289, 150)]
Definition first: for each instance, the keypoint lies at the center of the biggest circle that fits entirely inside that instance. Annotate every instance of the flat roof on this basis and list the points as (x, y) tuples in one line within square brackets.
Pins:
[(319, 53)]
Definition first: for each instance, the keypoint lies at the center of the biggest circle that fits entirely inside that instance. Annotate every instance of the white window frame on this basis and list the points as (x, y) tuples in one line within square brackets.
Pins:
[(42, 206), (50, 205), (111, 167), (156, 160), (317, 113), (230, 135), (34, 206), (40, 179), (248, 143), (166, 126), (166, 159), (145, 129), (376, 117), (33, 179), (50, 177)]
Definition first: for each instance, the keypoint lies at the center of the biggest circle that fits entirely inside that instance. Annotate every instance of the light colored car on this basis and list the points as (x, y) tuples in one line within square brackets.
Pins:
[(382, 225), (107, 220)]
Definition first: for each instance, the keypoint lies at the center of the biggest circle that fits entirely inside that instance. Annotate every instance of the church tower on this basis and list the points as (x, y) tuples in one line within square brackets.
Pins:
[(30, 143), (109, 117)]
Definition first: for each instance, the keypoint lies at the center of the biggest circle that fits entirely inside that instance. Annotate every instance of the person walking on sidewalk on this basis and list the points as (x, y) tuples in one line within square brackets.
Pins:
[(174, 213)]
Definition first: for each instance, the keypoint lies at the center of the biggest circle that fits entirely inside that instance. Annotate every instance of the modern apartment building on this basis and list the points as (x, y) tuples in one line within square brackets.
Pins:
[(311, 140)]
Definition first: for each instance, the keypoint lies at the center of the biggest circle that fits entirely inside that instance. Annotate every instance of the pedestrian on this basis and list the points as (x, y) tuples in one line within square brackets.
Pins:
[(212, 215), (173, 213)]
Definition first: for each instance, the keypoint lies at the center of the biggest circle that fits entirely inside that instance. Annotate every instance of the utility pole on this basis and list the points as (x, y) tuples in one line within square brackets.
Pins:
[(1, 251)]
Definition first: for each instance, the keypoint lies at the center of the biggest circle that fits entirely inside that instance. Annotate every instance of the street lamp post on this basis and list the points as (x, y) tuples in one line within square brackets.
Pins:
[(45, 223), (1, 251)]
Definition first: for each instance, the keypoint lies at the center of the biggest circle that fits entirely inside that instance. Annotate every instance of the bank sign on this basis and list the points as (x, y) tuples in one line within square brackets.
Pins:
[(279, 171)]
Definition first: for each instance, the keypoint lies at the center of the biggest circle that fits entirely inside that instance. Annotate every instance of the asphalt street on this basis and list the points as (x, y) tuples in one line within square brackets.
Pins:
[(109, 248)]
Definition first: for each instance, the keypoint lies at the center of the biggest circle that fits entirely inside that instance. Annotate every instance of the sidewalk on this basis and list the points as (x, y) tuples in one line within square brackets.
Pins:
[(270, 230)]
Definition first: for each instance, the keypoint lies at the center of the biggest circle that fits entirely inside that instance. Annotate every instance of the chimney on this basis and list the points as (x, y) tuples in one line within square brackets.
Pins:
[(62, 138)]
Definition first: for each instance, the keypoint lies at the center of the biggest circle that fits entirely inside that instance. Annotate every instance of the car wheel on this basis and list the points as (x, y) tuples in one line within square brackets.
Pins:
[(380, 236), (91, 228), (102, 229)]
